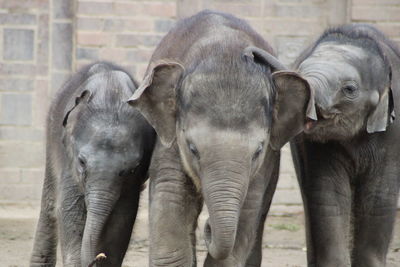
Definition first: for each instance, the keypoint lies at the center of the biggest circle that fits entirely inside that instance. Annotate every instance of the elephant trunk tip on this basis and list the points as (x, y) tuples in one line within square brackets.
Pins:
[(98, 258), (216, 251)]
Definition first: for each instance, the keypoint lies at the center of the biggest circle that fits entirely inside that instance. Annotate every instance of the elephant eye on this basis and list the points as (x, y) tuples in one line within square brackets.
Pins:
[(82, 168), (194, 150), (82, 162), (258, 151), (350, 91)]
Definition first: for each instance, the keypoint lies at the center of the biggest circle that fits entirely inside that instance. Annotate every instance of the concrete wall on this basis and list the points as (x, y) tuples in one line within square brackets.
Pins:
[(43, 41)]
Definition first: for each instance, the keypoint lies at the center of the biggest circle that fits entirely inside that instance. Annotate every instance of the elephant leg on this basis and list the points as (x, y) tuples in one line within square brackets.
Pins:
[(71, 222), (252, 215), (174, 208), (118, 230), (375, 214), (45, 243), (255, 257), (328, 211), (300, 157), (323, 174)]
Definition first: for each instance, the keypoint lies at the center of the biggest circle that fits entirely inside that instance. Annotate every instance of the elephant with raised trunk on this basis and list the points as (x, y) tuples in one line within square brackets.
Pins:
[(97, 157), (347, 160), (218, 100)]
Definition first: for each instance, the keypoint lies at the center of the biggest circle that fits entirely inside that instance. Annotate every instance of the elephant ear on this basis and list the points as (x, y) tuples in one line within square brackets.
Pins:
[(293, 109), (84, 96), (260, 55), (156, 99), (294, 106), (383, 114)]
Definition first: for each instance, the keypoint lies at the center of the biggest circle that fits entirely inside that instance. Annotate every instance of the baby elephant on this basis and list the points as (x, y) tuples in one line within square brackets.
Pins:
[(348, 159), (97, 156)]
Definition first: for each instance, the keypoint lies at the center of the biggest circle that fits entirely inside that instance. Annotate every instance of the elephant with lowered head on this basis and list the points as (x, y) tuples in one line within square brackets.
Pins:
[(347, 160), (218, 101), (97, 156)]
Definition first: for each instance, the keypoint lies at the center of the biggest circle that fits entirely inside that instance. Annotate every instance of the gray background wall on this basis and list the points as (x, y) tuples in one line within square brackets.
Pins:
[(43, 41)]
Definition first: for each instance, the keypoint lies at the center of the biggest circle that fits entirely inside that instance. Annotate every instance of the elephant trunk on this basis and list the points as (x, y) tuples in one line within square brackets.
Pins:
[(224, 193), (99, 207)]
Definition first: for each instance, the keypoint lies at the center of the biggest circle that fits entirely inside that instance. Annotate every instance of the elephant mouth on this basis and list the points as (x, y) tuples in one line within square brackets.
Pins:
[(324, 119), (310, 125), (317, 127)]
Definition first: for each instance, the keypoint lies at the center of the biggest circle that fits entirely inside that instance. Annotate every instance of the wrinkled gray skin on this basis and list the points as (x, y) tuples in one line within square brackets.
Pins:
[(98, 153), (210, 102), (347, 161)]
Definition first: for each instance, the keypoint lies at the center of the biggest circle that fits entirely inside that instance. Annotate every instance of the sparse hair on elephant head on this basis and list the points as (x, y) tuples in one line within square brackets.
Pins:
[(291, 104), (90, 78)]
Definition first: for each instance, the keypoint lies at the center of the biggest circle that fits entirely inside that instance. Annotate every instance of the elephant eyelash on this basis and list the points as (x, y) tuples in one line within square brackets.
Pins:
[(81, 166), (193, 150), (82, 163), (350, 90), (258, 151)]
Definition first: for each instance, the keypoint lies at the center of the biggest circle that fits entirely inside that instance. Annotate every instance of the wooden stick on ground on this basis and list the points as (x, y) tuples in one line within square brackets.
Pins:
[(99, 257)]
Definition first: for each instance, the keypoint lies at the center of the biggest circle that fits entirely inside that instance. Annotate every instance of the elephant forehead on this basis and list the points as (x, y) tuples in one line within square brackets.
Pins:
[(328, 74), (108, 137), (333, 63), (205, 132), (335, 51), (334, 60), (228, 99)]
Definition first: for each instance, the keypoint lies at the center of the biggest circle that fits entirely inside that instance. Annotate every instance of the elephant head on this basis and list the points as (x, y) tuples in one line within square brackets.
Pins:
[(350, 72), (223, 113)]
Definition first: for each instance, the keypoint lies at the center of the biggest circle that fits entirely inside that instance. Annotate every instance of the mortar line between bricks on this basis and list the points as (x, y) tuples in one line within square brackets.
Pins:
[(31, 77), (23, 77), (15, 126), (74, 35), (50, 52), (121, 32), (19, 27), (2, 42), (63, 21), (30, 61), (35, 43), (116, 16)]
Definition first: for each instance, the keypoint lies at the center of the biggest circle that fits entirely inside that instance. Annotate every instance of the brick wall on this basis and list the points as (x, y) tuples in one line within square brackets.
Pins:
[(24, 95), (385, 14), (122, 31), (43, 41)]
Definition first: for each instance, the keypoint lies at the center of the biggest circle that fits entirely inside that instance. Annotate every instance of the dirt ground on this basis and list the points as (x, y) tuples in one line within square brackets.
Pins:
[(283, 245)]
